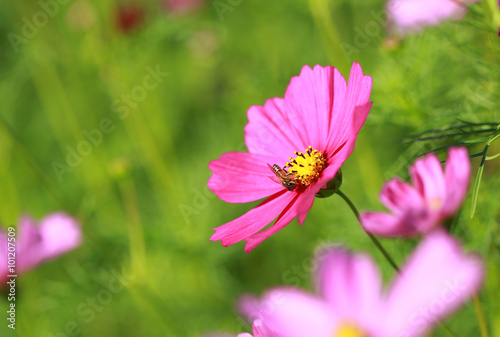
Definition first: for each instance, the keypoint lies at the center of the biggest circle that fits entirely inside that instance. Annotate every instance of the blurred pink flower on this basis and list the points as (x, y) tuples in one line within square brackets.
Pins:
[(319, 115), (57, 234), (182, 6), (434, 197), (436, 280), (412, 15), (498, 27)]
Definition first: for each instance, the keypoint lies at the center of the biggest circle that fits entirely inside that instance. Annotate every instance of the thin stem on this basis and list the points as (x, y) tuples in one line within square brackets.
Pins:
[(480, 316), (372, 237), (321, 14), (462, 126), (449, 135)]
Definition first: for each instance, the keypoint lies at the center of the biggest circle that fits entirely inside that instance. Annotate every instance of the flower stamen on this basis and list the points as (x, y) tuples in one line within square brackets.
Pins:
[(306, 167), (349, 330)]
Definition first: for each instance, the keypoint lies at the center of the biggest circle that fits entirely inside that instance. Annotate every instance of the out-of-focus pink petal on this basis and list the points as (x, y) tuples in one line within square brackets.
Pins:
[(457, 176), (309, 100), (240, 177), (60, 233), (29, 245), (182, 6), (284, 219), (248, 306), (254, 220), (399, 196), (436, 280), (270, 132), (293, 313), (28, 234), (427, 176), (412, 15), (3, 258), (57, 234), (385, 224), (351, 284)]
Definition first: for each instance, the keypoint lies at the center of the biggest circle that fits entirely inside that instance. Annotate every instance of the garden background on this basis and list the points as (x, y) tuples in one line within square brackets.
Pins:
[(115, 120)]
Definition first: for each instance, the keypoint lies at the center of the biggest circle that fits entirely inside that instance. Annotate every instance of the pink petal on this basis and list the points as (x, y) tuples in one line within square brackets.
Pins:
[(241, 177), (3, 258), (293, 313), (351, 284), (309, 101), (347, 121), (384, 224), (57, 234), (457, 173), (29, 243), (399, 196), (28, 234), (284, 219), (412, 15), (249, 307), (437, 279), (254, 220), (427, 176), (60, 233), (305, 204), (359, 116), (270, 132)]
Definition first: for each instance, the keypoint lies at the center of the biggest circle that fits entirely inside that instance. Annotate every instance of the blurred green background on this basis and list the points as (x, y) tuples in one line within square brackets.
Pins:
[(140, 189)]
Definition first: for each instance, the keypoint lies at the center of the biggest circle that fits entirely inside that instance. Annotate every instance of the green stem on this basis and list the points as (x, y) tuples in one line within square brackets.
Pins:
[(372, 237), (480, 316), (321, 13)]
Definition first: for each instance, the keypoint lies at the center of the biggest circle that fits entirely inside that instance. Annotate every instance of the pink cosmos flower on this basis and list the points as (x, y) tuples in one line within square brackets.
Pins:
[(434, 197), (412, 15), (436, 280), (314, 127), (57, 234)]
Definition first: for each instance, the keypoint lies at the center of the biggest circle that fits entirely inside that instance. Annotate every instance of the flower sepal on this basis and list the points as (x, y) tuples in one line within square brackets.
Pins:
[(331, 187)]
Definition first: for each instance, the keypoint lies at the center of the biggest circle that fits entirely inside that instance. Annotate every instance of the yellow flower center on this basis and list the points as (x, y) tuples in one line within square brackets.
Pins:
[(306, 167), (348, 330), (435, 204)]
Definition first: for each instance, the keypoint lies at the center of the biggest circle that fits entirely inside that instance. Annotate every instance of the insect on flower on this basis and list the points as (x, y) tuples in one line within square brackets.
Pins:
[(282, 177), (308, 134)]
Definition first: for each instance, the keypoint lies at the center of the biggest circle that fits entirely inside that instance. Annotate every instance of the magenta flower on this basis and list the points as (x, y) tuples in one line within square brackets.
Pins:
[(436, 280), (434, 197), (57, 234), (412, 15), (296, 145)]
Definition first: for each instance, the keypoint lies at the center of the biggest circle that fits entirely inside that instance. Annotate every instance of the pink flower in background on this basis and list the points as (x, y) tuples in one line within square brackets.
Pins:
[(182, 6), (436, 280), (412, 15), (319, 115), (434, 197), (498, 27), (56, 234)]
